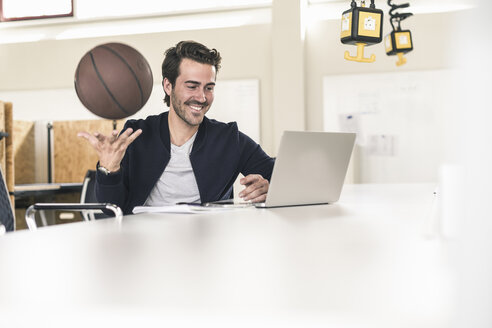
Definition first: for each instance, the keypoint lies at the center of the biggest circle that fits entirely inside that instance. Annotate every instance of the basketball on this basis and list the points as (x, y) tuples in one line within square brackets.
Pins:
[(113, 81)]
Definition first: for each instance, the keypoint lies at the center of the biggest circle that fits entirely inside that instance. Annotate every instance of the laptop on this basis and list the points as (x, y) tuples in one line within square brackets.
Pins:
[(310, 169)]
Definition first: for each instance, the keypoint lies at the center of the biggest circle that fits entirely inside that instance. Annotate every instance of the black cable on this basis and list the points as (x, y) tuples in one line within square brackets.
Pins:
[(391, 15), (397, 17)]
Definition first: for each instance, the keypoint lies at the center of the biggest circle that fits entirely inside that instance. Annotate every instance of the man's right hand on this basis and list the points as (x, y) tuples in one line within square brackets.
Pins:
[(111, 149)]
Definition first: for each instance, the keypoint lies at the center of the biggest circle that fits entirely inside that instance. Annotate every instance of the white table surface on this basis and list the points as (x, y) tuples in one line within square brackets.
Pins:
[(366, 261)]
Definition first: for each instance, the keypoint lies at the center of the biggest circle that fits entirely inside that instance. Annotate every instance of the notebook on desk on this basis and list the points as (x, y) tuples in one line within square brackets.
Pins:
[(310, 169)]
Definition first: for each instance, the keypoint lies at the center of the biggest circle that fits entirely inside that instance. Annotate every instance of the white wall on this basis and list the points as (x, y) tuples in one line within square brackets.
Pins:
[(468, 209)]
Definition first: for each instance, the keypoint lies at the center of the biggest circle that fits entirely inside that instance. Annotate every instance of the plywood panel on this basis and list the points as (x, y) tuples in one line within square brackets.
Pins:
[(9, 149), (2, 142), (6, 158), (20, 223), (9, 145), (24, 159), (73, 156)]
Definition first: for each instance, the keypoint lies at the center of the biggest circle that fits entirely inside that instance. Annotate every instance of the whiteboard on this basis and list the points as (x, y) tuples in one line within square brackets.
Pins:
[(399, 119)]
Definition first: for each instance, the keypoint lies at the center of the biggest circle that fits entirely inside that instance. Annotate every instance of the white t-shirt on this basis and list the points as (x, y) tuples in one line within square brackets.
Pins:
[(177, 183)]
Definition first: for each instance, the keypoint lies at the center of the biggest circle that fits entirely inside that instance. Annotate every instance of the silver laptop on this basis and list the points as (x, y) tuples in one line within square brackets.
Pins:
[(310, 168)]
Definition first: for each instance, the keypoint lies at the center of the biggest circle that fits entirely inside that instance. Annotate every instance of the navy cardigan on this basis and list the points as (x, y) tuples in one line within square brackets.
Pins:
[(220, 152)]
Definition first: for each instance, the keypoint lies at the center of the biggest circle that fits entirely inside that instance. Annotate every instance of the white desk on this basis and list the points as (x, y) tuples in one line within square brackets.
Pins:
[(363, 262)]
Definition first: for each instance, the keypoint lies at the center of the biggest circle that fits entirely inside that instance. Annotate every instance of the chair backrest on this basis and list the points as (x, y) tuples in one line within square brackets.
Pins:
[(88, 195), (7, 218)]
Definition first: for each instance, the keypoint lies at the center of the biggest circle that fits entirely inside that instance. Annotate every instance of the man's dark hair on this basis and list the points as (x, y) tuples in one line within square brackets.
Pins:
[(191, 50)]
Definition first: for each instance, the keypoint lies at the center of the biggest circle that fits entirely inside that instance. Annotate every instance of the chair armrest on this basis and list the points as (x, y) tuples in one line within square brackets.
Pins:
[(31, 211)]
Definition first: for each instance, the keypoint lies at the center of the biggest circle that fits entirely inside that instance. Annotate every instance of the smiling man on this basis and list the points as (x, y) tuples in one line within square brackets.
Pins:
[(180, 155)]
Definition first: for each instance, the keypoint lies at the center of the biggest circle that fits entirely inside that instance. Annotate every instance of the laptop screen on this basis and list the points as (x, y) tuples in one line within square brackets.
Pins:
[(310, 168)]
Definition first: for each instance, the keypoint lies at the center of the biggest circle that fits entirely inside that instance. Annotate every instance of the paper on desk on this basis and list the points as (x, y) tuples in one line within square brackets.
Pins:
[(178, 209)]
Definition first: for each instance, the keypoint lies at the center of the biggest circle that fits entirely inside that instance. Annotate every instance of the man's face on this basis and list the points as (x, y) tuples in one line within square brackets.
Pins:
[(193, 93)]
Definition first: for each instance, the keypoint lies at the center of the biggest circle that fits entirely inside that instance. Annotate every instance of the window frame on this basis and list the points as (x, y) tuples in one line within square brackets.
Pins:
[(24, 18)]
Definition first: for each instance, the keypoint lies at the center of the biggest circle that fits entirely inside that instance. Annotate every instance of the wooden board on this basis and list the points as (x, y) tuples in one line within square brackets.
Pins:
[(6, 147), (24, 155), (9, 149), (73, 156), (2, 142)]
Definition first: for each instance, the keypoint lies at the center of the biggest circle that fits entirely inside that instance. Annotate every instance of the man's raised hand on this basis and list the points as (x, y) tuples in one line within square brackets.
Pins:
[(111, 149)]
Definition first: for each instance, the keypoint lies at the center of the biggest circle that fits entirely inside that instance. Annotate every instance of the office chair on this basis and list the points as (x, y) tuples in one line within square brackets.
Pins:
[(7, 218), (31, 210), (88, 205)]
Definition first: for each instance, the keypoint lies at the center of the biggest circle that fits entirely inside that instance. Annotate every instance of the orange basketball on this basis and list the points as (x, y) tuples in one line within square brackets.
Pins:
[(113, 81)]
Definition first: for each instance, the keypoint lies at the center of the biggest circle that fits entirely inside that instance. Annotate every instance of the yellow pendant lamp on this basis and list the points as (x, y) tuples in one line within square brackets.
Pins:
[(399, 41), (362, 27)]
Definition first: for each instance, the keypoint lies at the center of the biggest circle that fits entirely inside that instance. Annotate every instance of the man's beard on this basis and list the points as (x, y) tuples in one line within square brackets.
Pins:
[(181, 112)]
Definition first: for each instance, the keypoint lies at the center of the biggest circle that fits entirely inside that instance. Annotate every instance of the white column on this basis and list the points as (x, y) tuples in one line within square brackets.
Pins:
[(287, 67)]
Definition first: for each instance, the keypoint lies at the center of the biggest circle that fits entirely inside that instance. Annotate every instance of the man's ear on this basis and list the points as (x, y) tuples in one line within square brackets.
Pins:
[(167, 86)]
